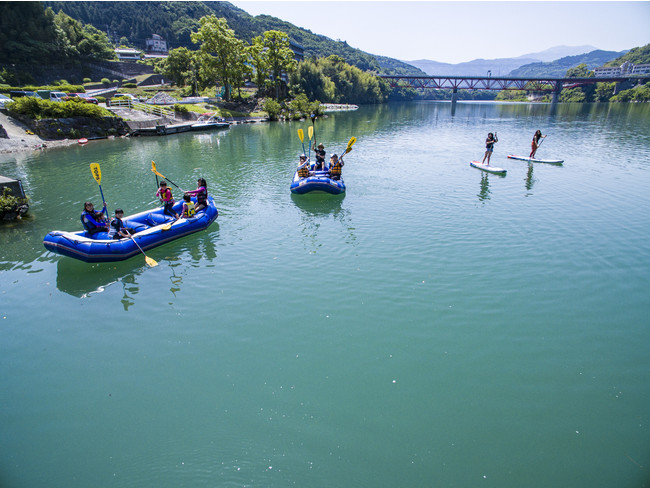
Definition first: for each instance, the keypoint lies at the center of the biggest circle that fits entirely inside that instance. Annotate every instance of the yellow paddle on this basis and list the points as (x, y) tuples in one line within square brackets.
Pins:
[(97, 174), (350, 144), (301, 135), (150, 261), (153, 168)]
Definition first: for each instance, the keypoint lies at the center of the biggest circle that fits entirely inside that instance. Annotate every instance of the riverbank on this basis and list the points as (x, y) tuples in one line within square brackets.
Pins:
[(20, 140)]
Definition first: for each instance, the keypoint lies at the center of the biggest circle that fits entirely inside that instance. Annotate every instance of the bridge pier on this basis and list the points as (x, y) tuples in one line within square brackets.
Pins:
[(556, 93), (454, 97)]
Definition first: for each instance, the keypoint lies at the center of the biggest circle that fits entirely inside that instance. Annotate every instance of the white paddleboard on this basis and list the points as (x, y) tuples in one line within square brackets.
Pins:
[(534, 160), (488, 168)]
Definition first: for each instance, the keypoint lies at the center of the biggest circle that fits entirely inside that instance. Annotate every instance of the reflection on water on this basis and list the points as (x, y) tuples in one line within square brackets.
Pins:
[(316, 206), (83, 280), (530, 180), (484, 192)]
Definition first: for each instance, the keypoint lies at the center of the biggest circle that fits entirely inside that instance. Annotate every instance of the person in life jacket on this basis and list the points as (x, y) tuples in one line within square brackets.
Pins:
[(189, 210), (167, 199), (92, 221), (201, 194), (336, 167), (117, 230), (320, 158), (303, 167)]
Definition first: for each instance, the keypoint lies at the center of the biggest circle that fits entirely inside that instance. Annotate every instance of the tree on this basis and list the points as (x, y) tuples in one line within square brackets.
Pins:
[(604, 91), (580, 71), (223, 52), (258, 61), (279, 57), (178, 66)]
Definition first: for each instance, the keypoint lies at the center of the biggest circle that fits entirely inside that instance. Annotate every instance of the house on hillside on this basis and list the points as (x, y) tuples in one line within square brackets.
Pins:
[(128, 54), (156, 45), (298, 51)]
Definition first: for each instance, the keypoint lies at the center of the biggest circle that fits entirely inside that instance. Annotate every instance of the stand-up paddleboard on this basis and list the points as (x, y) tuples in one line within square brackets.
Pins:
[(534, 160), (488, 168)]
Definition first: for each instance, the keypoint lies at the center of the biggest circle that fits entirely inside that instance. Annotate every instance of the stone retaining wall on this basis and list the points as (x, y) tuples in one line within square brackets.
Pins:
[(76, 127)]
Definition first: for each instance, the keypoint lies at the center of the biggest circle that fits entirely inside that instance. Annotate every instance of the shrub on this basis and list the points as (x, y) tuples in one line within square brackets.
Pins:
[(43, 109), (87, 80), (272, 108), (129, 85), (10, 203), (181, 109), (106, 81)]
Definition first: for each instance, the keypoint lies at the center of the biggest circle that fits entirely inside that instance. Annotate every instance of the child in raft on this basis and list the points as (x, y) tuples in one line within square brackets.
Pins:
[(117, 229), (167, 199), (201, 194), (189, 210)]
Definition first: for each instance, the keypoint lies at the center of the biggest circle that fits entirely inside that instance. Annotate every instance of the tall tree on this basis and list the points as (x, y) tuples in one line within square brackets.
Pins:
[(279, 56), (223, 51)]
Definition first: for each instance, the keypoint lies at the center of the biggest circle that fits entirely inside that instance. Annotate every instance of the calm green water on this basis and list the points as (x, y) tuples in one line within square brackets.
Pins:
[(435, 326)]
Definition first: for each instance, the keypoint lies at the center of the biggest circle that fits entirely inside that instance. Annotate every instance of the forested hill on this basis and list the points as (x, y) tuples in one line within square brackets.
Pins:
[(559, 67), (131, 23), (638, 55)]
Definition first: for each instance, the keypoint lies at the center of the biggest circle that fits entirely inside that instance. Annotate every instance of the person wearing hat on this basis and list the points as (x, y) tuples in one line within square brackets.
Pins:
[(117, 229), (320, 158), (336, 166)]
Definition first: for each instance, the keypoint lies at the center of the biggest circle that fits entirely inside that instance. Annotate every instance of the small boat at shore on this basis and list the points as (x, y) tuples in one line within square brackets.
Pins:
[(152, 229), (317, 182), (210, 121)]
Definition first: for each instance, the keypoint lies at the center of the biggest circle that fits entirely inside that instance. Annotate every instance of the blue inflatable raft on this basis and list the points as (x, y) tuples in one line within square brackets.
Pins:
[(152, 230), (317, 181)]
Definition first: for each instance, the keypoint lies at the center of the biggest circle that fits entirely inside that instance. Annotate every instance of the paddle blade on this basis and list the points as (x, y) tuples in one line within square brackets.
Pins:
[(310, 132), (150, 261), (301, 135), (351, 142), (97, 172)]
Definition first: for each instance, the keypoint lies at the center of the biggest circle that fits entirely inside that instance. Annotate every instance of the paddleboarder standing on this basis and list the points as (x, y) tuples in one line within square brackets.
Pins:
[(535, 144), (489, 147)]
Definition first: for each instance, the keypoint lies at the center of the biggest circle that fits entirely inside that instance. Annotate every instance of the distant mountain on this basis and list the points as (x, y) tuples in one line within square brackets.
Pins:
[(477, 67), (557, 52), (499, 66), (559, 67)]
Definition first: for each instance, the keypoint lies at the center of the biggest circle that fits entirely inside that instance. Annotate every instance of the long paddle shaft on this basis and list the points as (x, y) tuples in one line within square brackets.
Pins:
[(153, 168), (97, 174), (150, 261), (310, 132)]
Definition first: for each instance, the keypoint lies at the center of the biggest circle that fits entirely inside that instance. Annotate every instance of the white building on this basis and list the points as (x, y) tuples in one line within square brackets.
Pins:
[(128, 54), (625, 69), (156, 45)]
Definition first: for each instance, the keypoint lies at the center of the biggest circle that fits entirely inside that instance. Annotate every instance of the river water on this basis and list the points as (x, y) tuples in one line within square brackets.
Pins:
[(434, 326)]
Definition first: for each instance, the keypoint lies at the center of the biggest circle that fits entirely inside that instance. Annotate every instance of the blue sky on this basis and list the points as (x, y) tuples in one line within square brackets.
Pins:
[(455, 32)]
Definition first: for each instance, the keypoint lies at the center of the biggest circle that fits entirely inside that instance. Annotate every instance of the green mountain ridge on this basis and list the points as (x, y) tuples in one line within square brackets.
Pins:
[(174, 21)]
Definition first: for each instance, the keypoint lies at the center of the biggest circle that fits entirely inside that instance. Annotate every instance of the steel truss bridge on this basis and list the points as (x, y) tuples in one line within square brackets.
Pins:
[(456, 83)]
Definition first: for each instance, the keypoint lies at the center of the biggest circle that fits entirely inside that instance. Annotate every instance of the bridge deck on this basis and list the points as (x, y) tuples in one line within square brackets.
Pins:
[(493, 83)]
